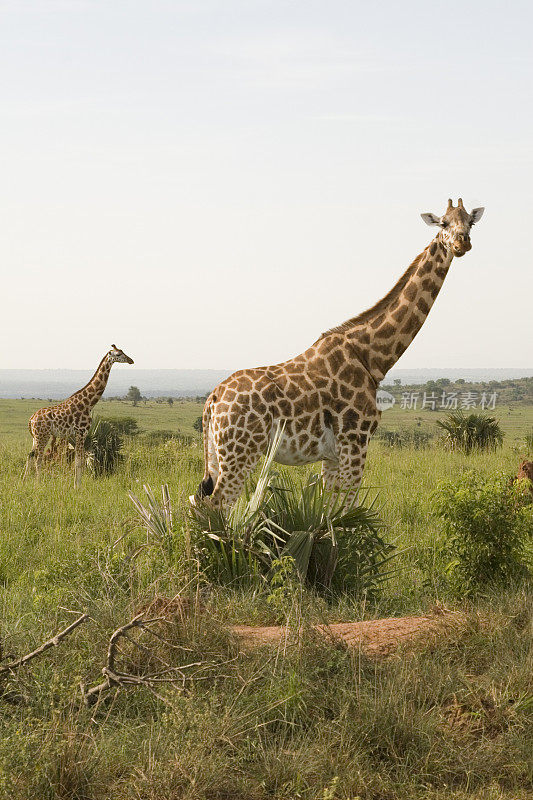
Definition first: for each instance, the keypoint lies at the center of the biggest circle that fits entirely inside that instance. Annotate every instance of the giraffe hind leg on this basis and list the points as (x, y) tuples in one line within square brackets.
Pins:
[(208, 482), (36, 455)]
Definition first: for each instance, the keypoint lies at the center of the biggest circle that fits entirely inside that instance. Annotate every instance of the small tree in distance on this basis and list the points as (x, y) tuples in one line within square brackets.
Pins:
[(134, 394)]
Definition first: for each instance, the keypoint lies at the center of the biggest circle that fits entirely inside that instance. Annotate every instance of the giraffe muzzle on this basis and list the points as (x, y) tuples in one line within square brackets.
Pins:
[(460, 248)]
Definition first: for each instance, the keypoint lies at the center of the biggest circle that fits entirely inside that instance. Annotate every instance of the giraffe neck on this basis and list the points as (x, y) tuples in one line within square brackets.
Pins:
[(379, 336), (91, 393)]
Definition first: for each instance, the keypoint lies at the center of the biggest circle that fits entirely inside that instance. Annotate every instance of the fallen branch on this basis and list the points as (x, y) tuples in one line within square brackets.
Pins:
[(53, 642), (113, 678)]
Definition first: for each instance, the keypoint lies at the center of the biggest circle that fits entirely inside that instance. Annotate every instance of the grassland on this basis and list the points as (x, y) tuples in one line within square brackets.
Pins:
[(311, 722)]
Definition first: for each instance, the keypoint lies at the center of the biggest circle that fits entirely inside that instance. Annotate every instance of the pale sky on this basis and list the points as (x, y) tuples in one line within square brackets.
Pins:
[(212, 184)]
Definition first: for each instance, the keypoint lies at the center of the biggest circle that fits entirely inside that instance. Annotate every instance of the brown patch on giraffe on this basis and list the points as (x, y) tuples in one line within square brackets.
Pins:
[(293, 391), (336, 360), (245, 384), (399, 349), (348, 374), (385, 331), (412, 324), (270, 393), (346, 392), (285, 407), (375, 323), (433, 248), (320, 365), (400, 314), (422, 306), (410, 292), (311, 402), (350, 420), (381, 365)]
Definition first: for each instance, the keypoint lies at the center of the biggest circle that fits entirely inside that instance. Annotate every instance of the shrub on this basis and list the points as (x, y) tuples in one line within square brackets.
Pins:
[(469, 432), (127, 426), (158, 437), (488, 525), (104, 446), (335, 543), (405, 438)]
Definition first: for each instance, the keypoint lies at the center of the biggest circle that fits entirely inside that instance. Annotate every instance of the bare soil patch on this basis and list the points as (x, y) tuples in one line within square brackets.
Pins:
[(378, 638)]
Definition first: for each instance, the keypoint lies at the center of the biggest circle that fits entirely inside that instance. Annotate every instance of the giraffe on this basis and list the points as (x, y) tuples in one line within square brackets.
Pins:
[(71, 417), (325, 398)]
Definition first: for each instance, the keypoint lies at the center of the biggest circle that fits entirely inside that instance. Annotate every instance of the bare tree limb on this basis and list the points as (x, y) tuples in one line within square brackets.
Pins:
[(113, 678), (53, 642)]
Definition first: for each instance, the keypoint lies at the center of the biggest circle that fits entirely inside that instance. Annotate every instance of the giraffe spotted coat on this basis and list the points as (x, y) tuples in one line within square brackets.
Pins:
[(71, 417), (325, 398)]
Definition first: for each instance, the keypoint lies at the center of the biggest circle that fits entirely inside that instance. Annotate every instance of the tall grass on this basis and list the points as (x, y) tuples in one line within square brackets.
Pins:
[(307, 721)]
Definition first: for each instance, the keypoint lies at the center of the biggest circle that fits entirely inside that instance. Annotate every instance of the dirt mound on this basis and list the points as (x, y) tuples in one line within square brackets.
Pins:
[(378, 638)]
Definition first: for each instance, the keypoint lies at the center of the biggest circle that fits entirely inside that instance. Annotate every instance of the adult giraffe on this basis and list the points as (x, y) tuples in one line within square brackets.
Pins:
[(326, 397), (71, 417)]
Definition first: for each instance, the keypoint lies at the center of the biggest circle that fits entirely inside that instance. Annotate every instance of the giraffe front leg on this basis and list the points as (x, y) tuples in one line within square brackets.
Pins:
[(234, 468), (346, 472), (79, 455)]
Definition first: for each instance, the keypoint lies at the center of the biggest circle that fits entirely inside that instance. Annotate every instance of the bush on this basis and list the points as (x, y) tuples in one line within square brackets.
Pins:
[(335, 543), (489, 525), (104, 446), (469, 432), (405, 438), (127, 426)]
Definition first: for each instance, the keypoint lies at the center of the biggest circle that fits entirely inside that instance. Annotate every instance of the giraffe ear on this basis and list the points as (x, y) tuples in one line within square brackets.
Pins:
[(431, 219), (476, 215)]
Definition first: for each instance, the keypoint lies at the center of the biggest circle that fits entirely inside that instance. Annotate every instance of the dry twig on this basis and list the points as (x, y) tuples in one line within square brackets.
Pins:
[(114, 678), (53, 642)]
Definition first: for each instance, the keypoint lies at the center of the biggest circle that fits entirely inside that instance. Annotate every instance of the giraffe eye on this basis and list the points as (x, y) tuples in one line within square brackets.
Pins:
[(444, 224)]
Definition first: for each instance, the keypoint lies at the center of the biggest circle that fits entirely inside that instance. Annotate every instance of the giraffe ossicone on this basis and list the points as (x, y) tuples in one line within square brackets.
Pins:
[(71, 417), (326, 396)]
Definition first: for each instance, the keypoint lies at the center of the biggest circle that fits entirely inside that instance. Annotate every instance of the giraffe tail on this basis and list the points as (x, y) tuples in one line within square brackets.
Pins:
[(206, 484)]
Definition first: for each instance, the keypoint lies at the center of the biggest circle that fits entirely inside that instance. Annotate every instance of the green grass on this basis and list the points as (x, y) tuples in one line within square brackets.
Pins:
[(314, 722), (150, 416)]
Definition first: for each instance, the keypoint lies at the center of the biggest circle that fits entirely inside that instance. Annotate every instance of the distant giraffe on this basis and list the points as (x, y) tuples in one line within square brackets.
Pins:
[(71, 417), (525, 473), (326, 397)]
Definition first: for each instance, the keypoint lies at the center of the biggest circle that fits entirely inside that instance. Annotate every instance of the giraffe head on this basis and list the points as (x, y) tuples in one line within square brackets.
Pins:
[(455, 225), (116, 354)]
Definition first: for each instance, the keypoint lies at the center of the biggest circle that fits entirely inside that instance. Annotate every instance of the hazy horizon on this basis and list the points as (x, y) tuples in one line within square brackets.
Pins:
[(58, 384), (205, 183)]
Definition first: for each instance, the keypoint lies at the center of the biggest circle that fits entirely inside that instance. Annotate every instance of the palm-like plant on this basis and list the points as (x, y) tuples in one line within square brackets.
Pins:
[(334, 541), (103, 446), (469, 432)]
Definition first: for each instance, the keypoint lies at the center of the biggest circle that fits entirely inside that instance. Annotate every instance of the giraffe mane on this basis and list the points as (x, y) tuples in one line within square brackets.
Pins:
[(381, 305), (90, 381)]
